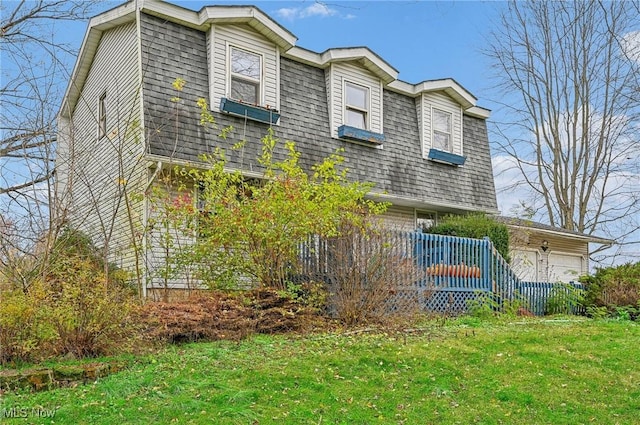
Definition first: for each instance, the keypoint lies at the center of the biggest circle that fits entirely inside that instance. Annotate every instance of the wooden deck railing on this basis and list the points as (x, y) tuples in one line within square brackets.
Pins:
[(455, 269)]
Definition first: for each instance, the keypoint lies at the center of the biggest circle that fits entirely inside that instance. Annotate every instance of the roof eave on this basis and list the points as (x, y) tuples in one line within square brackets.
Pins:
[(567, 235), (96, 26)]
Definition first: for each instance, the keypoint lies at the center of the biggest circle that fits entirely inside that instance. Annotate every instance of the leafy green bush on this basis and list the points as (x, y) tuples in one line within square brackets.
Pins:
[(252, 229), (475, 226), (614, 287), (25, 331), (488, 305), (564, 299)]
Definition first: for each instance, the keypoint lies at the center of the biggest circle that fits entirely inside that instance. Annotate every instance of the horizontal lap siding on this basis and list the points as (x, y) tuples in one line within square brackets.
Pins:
[(100, 170), (165, 242), (399, 218)]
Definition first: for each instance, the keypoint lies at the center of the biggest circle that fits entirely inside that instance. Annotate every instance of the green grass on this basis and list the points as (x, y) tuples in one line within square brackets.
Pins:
[(534, 372)]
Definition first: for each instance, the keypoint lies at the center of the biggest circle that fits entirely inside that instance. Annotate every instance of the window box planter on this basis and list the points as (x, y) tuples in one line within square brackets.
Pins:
[(252, 112), (360, 135), (446, 157)]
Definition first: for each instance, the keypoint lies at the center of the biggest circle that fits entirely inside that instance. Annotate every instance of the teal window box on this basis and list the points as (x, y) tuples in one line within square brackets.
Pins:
[(360, 135), (446, 157), (252, 112)]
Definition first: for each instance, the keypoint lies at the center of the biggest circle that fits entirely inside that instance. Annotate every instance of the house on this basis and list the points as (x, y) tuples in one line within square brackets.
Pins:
[(543, 253), (122, 124)]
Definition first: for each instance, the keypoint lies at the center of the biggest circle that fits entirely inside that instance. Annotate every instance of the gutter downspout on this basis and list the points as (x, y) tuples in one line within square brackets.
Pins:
[(145, 218)]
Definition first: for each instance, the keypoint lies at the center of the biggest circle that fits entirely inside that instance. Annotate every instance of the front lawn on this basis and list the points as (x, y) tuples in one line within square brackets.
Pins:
[(563, 371)]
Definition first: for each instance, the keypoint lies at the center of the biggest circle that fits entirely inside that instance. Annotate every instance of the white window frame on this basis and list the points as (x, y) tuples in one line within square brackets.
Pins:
[(366, 110), (231, 75), (435, 131), (434, 216), (102, 115)]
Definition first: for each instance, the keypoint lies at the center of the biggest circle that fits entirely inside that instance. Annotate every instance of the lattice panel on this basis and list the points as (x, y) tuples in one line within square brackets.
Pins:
[(429, 300), (449, 302)]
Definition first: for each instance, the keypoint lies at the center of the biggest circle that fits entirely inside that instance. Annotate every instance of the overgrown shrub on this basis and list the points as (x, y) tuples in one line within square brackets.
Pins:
[(613, 288), (223, 315), (77, 306), (475, 226), (25, 328), (251, 229), (371, 279)]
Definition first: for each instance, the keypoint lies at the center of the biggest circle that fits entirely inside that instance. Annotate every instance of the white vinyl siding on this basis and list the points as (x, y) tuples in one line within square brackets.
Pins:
[(399, 218), (166, 241), (220, 40), (430, 104), (95, 167), (340, 74)]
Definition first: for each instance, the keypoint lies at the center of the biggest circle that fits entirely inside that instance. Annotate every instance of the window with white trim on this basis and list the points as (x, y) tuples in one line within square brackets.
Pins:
[(442, 130), (245, 75), (356, 105), (426, 219), (102, 115)]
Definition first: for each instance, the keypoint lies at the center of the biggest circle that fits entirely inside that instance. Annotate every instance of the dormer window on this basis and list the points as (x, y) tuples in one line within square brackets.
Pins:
[(355, 102), (442, 130), (440, 120), (356, 113), (246, 74)]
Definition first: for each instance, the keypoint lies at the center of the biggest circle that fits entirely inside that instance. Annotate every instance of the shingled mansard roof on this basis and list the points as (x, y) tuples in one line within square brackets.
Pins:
[(263, 24)]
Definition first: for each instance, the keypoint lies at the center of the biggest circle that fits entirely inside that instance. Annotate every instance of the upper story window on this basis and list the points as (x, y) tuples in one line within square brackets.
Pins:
[(102, 116), (354, 96), (440, 120), (246, 75), (356, 113), (442, 130)]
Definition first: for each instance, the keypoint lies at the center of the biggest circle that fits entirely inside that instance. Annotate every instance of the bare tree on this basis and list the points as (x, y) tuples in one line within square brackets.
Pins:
[(570, 80), (35, 67)]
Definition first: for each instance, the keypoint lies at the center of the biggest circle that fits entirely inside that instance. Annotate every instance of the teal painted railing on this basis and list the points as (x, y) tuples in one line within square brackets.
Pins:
[(450, 270)]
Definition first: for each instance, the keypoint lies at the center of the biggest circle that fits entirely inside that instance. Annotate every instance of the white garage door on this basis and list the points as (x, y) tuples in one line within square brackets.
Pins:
[(564, 267), (525, 265)]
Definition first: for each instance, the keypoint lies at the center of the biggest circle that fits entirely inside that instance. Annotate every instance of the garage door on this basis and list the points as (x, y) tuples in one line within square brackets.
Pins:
[(525, 265), (564, 267)]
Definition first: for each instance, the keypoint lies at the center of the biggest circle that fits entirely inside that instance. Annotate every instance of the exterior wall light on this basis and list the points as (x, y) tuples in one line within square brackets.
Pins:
[(545, 245)]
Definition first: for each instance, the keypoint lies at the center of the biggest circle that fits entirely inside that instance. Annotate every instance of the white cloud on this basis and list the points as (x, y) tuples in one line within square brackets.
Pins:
[(288, 13), (631, 45), (511, 190), (316, 9)]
